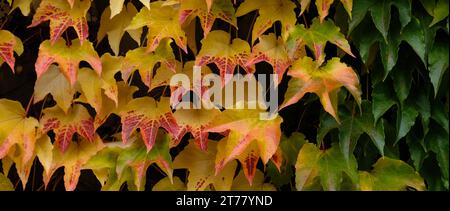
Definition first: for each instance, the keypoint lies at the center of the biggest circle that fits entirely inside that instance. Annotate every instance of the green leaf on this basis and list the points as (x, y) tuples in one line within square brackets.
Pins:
[(438, 64), (381, 14), (438, 9), (317, 36), (440, 115), (401, 77), (359, 11), (422, 105), (416, 149), (352, 127), (414, 35), (349, 133), (289, 148), (364, 37), (331, 166), (391, 174), (374, 130), (382, 99), (328, 165), (406, 118), (437, 141)]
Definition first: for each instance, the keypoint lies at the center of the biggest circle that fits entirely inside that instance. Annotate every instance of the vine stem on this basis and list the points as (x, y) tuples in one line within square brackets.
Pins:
[(29, 104), (27, 39), (304, 20), (42, 107), (251, 27)]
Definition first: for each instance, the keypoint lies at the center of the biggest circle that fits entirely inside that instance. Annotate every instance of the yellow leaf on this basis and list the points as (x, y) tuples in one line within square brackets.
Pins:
[(200, 165), (162, 23), (115, 27), (72, 159), (18, 136), (54, 82)]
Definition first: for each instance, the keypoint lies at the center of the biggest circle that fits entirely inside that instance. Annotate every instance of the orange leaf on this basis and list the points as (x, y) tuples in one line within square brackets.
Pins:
[(68, 58), (8, 44), (216, 48), (249, 138), (309, 76), (63, 15), (148, 115), (77, 120), (207, 11)]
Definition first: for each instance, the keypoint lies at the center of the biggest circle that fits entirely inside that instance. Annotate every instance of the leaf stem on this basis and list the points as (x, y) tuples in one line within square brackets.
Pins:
[(29, 104)]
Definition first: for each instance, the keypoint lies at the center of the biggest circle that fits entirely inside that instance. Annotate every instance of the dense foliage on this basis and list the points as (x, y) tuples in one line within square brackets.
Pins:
[(86, 100)]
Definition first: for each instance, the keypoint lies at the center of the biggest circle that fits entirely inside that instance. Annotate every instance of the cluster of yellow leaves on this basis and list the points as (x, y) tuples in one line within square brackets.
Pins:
[(211, 164)]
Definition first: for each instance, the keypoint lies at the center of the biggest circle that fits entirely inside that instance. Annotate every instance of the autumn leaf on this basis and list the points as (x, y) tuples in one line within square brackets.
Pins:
[(76, 155), (103, 165), (5, 183), (117, 5), (390, 174), (65, 125), (166, 185), (249, 138), (269, 13), (62, 16), (18, 135), (273, 51), (240, 183), (125, 95), (325, 81), (200, 164), (318, 35), (145, 62), (54, 82), (110, 66), (163, 77), (148, 115), (8, 45), (216, 48), (138, 158), (67, 57), (92, 85), (162, 23), (120, 162), (196, 121), (23, 5), (115, 27), (207, 12), (323, 7)]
